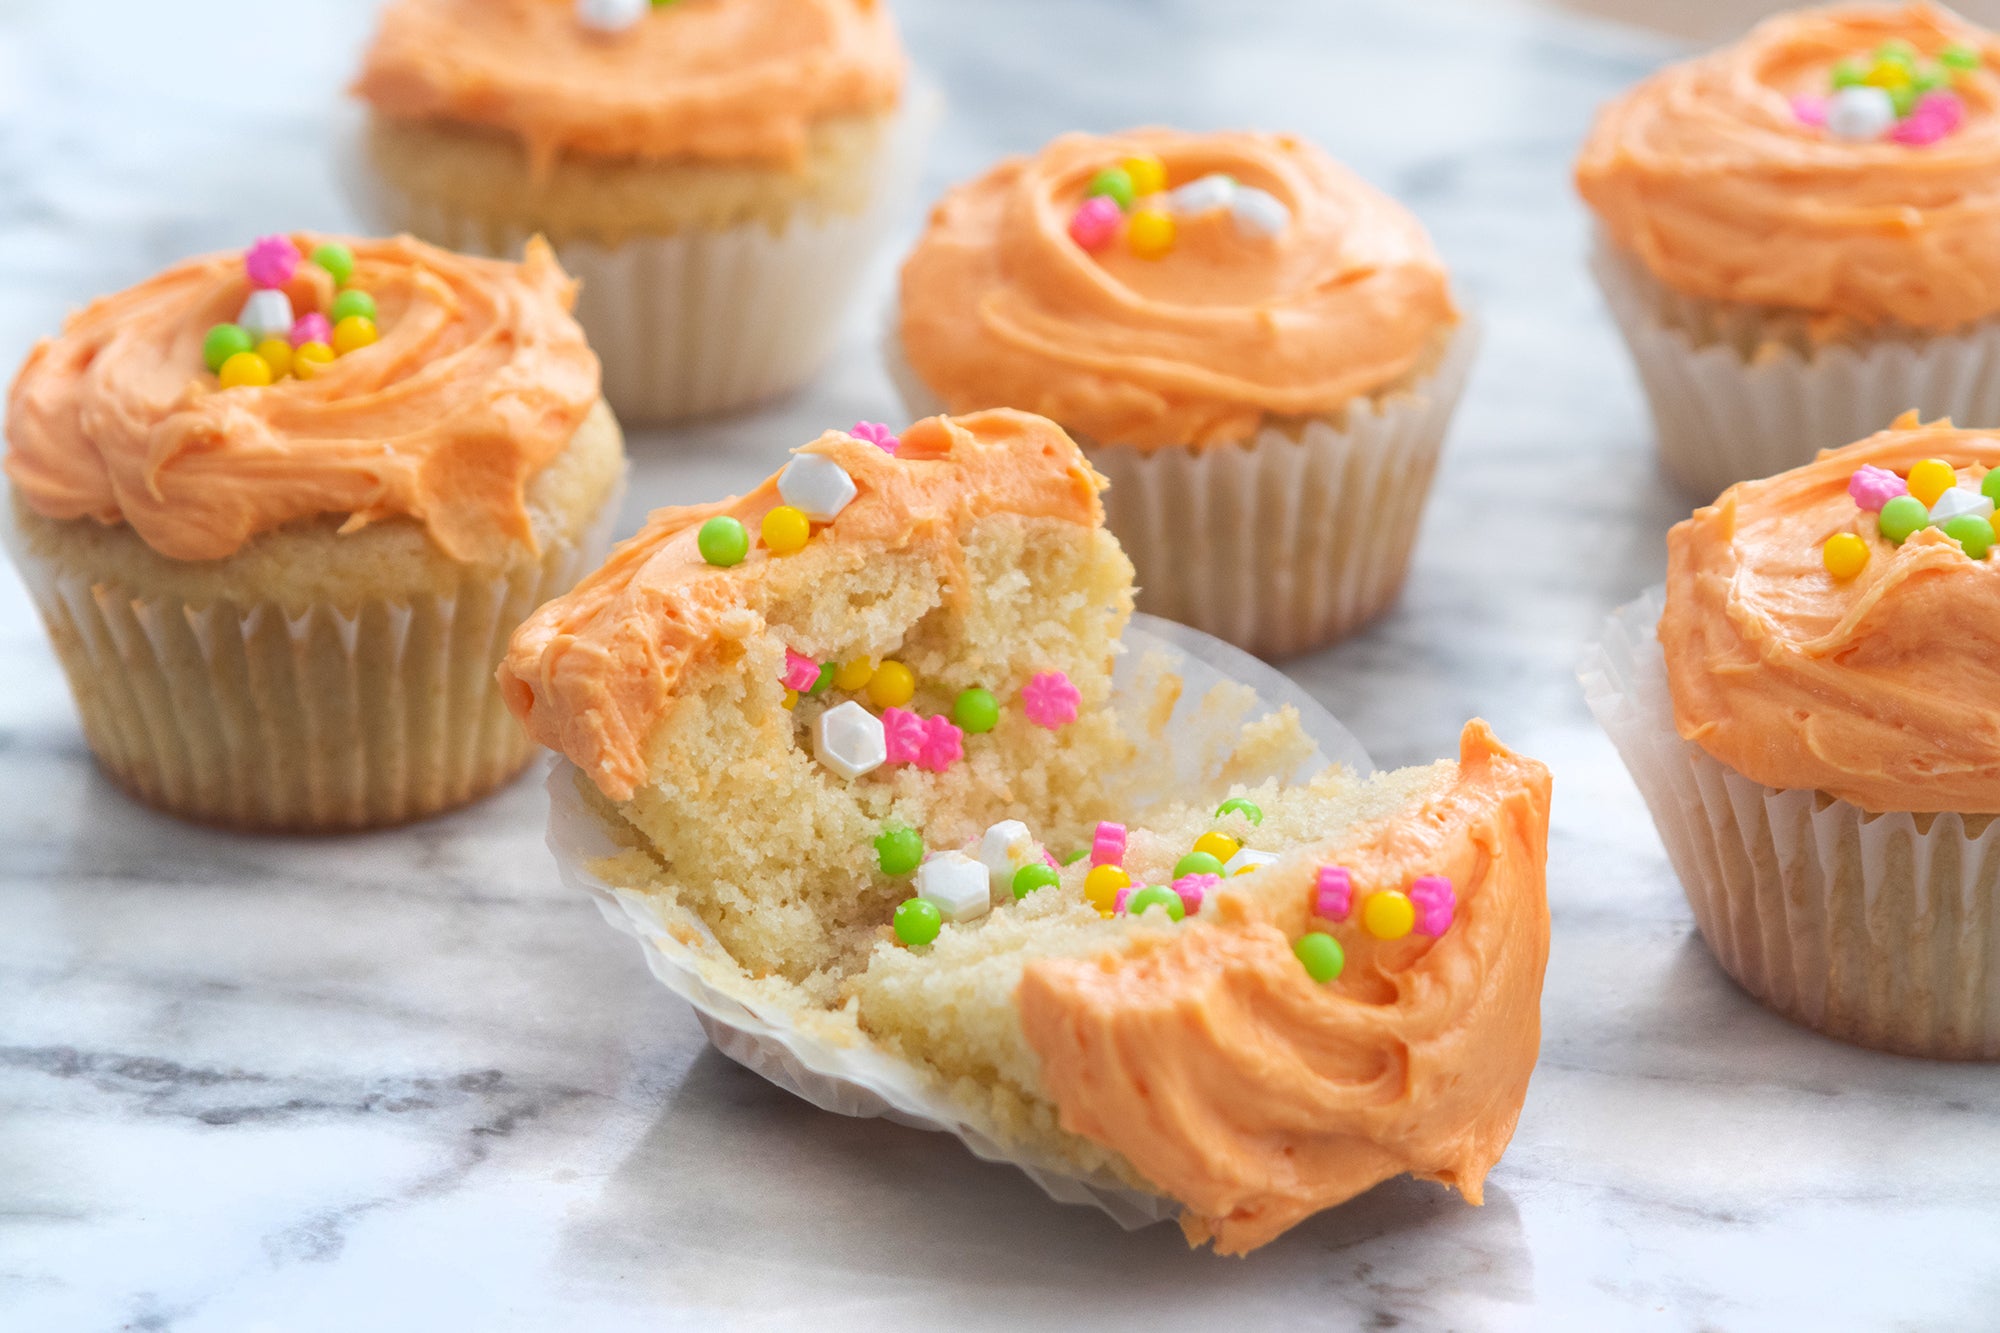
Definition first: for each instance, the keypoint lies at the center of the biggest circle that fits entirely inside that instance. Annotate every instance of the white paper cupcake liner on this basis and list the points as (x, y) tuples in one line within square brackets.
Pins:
[(1880, 929), (1284, 543), (1742, 407), (836, 1075), (320, 719), (701, 322)]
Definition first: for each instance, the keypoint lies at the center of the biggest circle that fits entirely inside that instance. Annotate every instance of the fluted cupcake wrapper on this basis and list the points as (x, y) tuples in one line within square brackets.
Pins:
[(1288, 541), (319, 719), (1879, 929), (1746, 405)]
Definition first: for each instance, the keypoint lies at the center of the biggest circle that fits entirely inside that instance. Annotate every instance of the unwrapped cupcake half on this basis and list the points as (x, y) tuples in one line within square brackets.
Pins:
[(853, 745)]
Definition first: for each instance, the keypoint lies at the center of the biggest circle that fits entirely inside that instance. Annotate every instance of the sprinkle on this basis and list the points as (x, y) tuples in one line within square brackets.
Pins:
[(1193, 888), (1989, 485), (1258, 213), (1124, 897), (309, 359), (1029, 878), (1388, 915), (892, 685), (312, 327), (1218, 845), (816, 486), (1094, 225), (791, 700), (1051, 700), (1902, 517), (611, 15), (877, 434), (1112, 183), (918, 922), (1150, 234), (1003, 849), (1147, 173), (800, 671), (1959, 56), (336, 259), (1961, 500), (944, 745), (1107, 845), (1844, 555), (1333, 893), (224, 341), (784, 530), (277, 354), (854, 675), (1930, 479), (1860, 115), (848, 739), (976, 710), (1197, 863), (267, 314), (722, 540), (1246, 861), (1935, 115), (1241, 805), (354, 333), (351, 303), (1435, 902), (271, 262), (904, 735), (1973, 533), (956, 885), (899, 848), (1872, 487), (245, 370), (1321, 956), (1158, 895), (1202, 196), (1101, 887), (825, 681), (1809, 109)]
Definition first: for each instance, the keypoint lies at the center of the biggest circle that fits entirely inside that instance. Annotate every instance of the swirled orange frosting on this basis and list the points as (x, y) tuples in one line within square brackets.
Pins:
[(479, 380), (1877, 689), (1705, 174), (593, 671), (714, 79), (1000, 307), (1257, 1096)]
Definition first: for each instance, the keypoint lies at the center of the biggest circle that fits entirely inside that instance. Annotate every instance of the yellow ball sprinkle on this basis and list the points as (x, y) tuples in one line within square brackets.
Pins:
[(309, 359), (1888, 76), (791, 700), (1148, 173), (277, 354), (786, 530), (245, 370), (892, 685), (353, 333), (1930, 479), (855, 675), (1245, 869), (1101, 887), (1218, 845), (1149, 233), (1388, 915), (1845, 554)]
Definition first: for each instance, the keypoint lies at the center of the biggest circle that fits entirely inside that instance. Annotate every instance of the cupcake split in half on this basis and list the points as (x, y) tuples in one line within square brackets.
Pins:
[(716, 173), (1257, 348), (1799, 236), (280, 514), (854, 734), (1812, 725)]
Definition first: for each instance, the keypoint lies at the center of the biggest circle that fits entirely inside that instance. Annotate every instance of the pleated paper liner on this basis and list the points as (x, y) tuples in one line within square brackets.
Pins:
[(823, 1065), (1745, 399), (1879, 929), (1284, 543)]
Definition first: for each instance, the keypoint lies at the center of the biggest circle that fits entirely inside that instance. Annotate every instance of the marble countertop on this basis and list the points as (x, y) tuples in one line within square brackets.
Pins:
[(404, 1081)]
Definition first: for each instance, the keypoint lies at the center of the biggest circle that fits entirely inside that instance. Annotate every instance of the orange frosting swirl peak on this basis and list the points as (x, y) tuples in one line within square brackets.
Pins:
[(1000, 306), (480, 378), (1708, 176)]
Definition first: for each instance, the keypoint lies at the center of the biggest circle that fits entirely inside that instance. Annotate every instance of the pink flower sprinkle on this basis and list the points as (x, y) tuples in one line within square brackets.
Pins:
[(1809, 109), (1050, 857), (1333, 895), (1434, 901), (1107, 848), (1193, 888), (876, 434), (271, 262), (1096, 223), (944, 745), (801, 673), (313, 328), (905, 734), (1124, 896), (1872, 487), (1051, 700)]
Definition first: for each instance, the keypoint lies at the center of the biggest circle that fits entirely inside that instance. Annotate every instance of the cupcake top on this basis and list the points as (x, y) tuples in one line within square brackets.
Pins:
[(592, 671), (236, 393), (1840, 162), (731, 80), (1832, 627), (1161, 287)]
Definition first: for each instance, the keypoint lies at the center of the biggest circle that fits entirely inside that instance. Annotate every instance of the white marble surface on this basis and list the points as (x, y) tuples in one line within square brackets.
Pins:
[(404, 1082)]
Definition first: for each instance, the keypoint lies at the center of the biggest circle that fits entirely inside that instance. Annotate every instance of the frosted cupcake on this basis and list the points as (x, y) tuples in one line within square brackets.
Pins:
[(715, 172), (280, 515), (1257, 348), (850, 744), (1812, 728), (1797, 236)]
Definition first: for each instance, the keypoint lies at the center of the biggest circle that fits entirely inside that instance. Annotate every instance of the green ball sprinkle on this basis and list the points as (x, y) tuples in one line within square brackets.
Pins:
[(1321, 955), (1237, 805), (1930, 80), (1896, 51), (350, 303), (224, 341), (1848, 74), (337, 260), (918, 922), (1029, 878), (724, 542), (976, 711), (1959, 56), (900, 849), (1989, 485), (1971, 532), (1159, 895), (1076, 856), (1197, 863), (1115, 182), (1902, 517), (825, 681)]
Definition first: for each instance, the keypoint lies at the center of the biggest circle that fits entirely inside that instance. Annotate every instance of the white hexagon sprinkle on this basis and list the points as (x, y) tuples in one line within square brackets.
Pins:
[(849, 740), (1959, 500), (1258, 212), (1245, 859), (1006, 847), (267, 314), (816, 486), (611, 15), (1203, 195), (955, 884), (1860, 114)]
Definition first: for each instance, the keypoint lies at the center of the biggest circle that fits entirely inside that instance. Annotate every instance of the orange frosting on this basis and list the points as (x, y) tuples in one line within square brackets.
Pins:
[(1257, 1096), (593, 671), (718, 79), (1878, 689), (1001, 307), (1704, 173), (480, 378)]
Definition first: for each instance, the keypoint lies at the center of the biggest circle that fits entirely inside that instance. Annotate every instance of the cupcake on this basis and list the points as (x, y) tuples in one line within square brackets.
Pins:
[(1797, 236), (851, 746), (280, 514), (716, 173), (1807, 711), (1258, 349)]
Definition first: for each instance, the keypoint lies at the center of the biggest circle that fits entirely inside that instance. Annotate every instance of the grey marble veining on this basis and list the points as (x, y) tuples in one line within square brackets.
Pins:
[(402, 1081)]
